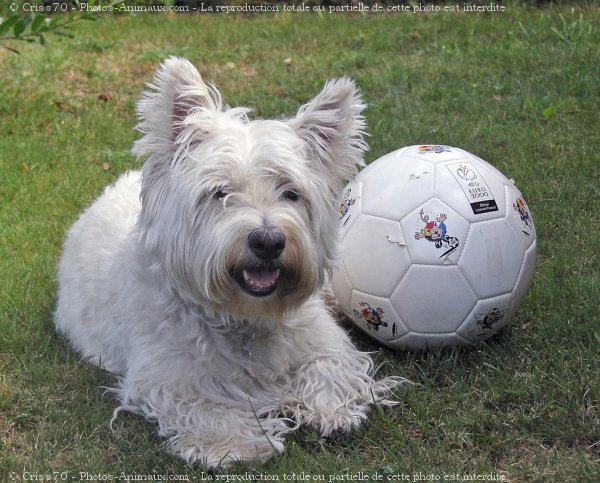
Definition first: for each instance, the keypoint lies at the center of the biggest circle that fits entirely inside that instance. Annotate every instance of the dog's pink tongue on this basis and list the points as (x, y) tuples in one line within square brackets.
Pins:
[(261, 278)]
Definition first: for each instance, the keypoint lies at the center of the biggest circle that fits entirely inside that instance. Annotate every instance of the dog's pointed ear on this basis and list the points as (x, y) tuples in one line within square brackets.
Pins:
[(176, 92), (333, 127)]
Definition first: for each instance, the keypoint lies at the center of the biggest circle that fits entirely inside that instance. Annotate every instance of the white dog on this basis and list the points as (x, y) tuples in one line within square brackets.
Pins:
[(200, 280)]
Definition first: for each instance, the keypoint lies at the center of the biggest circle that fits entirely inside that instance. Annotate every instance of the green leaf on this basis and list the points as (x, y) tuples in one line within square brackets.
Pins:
[(38, 22), (8, 23), (549, 112), (19, 28), (27, 20)]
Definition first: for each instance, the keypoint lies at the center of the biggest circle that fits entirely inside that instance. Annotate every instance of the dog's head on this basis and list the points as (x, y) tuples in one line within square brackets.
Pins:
[(240, 213)]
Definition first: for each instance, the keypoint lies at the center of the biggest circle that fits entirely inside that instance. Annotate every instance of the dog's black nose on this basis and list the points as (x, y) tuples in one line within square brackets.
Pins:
[(266, 244)]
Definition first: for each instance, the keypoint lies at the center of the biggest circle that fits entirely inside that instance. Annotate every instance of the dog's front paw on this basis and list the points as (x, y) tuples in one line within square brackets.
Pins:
[(216, 454), (334, 395), (336, 423)]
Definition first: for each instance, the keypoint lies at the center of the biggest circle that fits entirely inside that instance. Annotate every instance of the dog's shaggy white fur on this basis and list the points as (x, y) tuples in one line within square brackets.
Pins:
[(199, 280)]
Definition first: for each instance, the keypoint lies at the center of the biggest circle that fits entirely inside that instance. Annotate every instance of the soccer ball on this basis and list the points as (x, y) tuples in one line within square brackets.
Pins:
[(438, 248)]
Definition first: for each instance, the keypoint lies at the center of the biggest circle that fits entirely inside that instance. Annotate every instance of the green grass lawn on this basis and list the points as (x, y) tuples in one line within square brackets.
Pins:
[(521, 89)]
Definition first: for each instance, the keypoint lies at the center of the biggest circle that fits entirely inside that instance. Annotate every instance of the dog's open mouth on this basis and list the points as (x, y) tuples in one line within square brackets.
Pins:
[(259, 282)]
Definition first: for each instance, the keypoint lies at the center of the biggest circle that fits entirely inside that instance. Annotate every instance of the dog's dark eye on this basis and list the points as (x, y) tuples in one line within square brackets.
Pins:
[(220, 194), (290, 195)]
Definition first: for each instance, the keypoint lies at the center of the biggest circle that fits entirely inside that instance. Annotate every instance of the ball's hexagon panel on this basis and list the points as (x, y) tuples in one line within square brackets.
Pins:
[(373, 259), (434, 233), (519, 216), (396, 190), (376, 316), (349, 208), (471, 189), (491, 259), (433, 299), (487, 317)]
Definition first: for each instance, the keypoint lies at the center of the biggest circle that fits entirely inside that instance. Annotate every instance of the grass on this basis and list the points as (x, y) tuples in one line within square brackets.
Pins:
[(520, 89)]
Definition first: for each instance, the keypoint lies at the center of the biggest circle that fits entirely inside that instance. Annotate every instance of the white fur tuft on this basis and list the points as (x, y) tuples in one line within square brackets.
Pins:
[(177, 91), (333, 127)]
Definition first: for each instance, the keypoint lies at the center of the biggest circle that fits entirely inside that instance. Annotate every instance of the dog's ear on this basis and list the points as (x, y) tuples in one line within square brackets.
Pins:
[(333, 127), (177, 91)]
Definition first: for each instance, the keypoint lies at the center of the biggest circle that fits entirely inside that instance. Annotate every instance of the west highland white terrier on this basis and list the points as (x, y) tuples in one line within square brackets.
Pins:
[(199, 280)]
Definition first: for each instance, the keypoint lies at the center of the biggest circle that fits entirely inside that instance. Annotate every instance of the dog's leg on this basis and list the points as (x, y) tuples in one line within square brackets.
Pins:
[(214, 424), (334, 388), (217, 436)]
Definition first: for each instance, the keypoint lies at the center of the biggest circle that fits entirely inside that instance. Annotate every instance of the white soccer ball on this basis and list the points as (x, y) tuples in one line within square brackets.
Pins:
[(438, 248)]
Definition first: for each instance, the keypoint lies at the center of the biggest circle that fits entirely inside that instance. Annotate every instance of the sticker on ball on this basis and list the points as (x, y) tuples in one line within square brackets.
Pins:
[(438, 248)]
